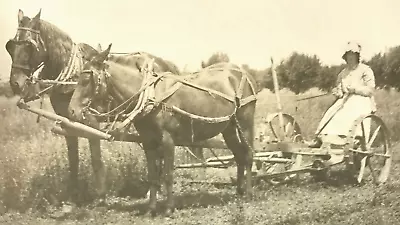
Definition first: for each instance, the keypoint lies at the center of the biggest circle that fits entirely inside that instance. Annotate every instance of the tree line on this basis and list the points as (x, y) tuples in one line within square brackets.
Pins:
[(300, 72)]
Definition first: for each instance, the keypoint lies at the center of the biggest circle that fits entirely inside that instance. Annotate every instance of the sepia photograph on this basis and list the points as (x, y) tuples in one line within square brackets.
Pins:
[(191, 112)]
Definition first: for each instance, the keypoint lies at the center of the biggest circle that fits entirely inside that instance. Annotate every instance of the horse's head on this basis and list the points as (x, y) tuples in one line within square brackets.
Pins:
[(91, 87), (27, 52)]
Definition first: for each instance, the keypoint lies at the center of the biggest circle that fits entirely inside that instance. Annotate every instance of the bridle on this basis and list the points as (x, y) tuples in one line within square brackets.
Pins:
[(98, 83), (36, 42), (97, 90), (34, 38)]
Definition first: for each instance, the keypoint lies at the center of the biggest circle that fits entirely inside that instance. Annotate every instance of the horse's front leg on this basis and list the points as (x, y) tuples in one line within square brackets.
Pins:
[(73, 160), (98, 169), (168, 148)]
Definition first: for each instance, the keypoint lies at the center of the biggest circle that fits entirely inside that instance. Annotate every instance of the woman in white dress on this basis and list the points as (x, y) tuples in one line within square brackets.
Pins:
[(354, 91)]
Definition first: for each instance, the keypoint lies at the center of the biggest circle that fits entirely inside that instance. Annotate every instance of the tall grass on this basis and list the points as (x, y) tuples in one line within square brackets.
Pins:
[(34, 165)]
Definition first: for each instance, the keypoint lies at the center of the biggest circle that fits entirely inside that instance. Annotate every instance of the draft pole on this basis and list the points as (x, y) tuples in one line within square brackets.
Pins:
[(278, 101)]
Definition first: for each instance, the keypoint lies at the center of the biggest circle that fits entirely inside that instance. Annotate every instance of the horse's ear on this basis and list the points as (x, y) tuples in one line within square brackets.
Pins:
[(99, 49), (20, 16), (108, 49), (102, 56), (37, 17)]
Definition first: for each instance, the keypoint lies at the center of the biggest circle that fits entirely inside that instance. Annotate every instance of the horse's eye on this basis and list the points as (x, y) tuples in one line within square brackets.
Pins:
[(85, 79)]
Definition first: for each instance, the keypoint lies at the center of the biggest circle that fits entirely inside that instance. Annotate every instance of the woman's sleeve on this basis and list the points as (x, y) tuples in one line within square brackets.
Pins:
[(337, 90), (368, 81), (369, 78)]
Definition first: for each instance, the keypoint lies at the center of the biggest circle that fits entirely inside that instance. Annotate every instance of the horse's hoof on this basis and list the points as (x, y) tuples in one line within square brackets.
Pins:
[(63, 212), (169, 213), (100, 202), (151, 213)]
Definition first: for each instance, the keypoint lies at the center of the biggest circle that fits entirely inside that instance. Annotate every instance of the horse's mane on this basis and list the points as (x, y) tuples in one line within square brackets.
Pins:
[(58, 43), (165, 64), (137, 60), (87, 50)]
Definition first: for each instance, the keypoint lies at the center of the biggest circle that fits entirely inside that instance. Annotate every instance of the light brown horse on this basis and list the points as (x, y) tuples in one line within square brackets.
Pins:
[(218, 99), (38, 42)]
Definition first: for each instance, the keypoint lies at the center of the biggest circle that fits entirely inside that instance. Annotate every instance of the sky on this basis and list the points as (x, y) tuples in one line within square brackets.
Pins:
[(189, 31)]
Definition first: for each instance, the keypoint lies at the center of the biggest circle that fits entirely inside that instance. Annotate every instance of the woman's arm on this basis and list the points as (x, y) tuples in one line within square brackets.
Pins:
[(368, 84), (337, 90)]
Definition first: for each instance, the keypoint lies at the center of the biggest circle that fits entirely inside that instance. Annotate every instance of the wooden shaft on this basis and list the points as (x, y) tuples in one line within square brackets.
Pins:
[(278, 100), (66, 122), (57, 82), (72, 132), (201, 165)]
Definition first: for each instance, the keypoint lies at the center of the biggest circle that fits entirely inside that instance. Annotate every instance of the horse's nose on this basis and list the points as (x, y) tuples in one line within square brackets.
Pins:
[(76, 115), (15, 87), (17, 82)]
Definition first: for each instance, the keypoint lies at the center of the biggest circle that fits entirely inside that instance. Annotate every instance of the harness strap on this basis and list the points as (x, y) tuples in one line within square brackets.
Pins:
[(33, 41), (240, 90), (72, 67), (202, 118), (211, 91), (247, 100), (143, 98), (29, 29), (170, 92)]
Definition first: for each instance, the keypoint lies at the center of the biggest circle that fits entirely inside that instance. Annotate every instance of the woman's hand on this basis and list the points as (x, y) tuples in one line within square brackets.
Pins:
[(351, 89), (337, 92)]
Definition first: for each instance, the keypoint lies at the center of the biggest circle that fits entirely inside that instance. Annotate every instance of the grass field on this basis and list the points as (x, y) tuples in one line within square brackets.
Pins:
[(33, 178)]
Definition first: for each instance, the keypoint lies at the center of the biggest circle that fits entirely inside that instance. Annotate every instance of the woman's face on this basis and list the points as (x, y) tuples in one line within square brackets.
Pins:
[(352, 58)]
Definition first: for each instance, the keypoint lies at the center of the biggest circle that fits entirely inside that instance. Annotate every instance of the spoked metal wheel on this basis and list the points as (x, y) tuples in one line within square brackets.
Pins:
[(291, 129), (369, 150), (292, 133)]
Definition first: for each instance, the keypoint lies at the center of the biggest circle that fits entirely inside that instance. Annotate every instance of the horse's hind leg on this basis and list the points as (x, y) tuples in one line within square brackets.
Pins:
[(247, 138), (245, 124), (242, 150)]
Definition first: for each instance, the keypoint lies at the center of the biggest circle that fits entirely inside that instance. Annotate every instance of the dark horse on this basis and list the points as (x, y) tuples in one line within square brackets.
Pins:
[(218, 99), (39, 43)]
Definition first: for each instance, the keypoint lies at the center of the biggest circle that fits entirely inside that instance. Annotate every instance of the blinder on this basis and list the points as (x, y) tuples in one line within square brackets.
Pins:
[(10, 46), (29, 40), (99, 86)]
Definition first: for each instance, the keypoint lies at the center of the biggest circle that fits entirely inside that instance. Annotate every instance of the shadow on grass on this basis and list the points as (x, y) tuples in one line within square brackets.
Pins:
[(182, 201)]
